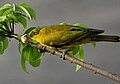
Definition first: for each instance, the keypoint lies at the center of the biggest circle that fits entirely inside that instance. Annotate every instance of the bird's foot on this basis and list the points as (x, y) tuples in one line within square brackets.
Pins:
[(43, 49), (52, 53), (63, 55)]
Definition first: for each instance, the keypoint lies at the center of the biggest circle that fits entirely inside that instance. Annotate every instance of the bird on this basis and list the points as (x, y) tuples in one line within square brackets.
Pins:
[(68, 36)]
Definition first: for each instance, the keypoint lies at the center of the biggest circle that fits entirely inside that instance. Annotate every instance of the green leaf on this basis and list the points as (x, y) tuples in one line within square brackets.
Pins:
[(1, 47), (80, 56), (29, 9), (94, 44), (75, 50), (26, 52), (81, 25), (4, 8), (12, 17), (29, 30), (25, 57), (23, 64), (13, 7), (81, 53), (5, 25), (26, 12), (70, 53), (31, 55), (5, 42), (22, 20), (77, 68), (2, 18), (8, 11), (19, 46), (35, 57)]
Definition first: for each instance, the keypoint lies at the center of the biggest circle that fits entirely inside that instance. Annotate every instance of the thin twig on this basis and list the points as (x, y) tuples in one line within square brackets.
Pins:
[(6, 35), (74, 60), (3, 29)]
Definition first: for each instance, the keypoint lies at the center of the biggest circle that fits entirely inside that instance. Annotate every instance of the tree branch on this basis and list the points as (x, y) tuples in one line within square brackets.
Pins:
[(74, 60)]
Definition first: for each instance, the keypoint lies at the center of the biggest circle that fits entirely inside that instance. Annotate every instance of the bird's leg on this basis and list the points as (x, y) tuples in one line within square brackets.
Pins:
[(53, 53), (63, 54), (43, 48)]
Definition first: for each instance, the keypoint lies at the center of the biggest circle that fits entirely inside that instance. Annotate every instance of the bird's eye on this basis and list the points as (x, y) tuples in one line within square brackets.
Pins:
[(37, 31), (32, 34)]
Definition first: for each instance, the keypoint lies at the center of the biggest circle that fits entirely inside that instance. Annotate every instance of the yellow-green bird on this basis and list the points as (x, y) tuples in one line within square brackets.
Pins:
[(68, 36)]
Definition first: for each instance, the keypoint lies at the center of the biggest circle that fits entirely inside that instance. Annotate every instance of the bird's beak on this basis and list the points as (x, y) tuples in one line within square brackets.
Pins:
[(24, 38)]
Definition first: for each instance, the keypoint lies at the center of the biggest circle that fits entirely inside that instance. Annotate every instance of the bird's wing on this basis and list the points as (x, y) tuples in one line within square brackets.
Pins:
[(58, 36)]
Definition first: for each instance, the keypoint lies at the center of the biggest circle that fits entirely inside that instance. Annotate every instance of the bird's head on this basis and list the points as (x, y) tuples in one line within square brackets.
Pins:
[(33, 33)]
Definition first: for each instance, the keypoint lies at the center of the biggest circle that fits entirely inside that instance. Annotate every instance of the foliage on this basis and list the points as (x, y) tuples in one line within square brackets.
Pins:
[(3, 44), (33, 58), (12, 14)]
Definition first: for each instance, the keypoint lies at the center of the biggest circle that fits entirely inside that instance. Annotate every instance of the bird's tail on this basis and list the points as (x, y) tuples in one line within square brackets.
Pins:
[(107, 38)]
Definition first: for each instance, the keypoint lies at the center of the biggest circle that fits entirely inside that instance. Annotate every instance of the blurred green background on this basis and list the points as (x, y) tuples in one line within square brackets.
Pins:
[(101, 14)]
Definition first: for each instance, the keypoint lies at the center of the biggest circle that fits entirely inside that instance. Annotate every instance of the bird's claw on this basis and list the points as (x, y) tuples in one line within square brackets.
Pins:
[(53, 53), (63, 55), (43, 49)]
